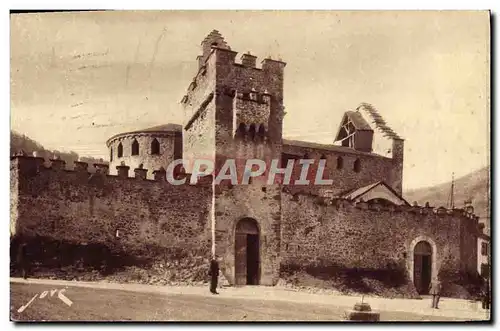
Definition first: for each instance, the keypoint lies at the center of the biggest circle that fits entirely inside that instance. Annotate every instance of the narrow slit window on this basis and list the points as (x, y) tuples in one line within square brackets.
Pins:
[(120, 150), (340, 162), (357, 165)]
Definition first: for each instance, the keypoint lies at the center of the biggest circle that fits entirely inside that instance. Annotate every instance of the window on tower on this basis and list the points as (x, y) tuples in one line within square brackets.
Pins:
[(135, 147), (155, 147), (357, 165), (484, 249), (120, 150), (340, 162)]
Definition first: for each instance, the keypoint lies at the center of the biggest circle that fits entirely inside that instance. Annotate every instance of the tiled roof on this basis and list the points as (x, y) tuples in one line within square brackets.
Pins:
[(326, 147), (216, 36), (354, 193), (170, 127), (379, 122), (358, 121), (357, 192)]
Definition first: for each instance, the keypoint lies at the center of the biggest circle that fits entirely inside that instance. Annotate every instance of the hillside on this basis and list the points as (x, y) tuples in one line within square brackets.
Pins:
[(474, 186), (22, 142)]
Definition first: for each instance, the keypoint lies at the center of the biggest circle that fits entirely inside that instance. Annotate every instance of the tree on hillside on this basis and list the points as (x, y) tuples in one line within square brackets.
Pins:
[(22, 142)]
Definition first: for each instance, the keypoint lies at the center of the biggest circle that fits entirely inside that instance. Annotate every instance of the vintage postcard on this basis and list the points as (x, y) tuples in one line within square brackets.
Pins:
[(250, 166)]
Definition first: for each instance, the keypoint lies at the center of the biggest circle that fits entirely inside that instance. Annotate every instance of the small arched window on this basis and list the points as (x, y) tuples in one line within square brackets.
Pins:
[(240, 133), (111, 154), (357, 165), (155, 147), (135, 147), (340, 162), (252, 132), (120, 150), (262, 132)]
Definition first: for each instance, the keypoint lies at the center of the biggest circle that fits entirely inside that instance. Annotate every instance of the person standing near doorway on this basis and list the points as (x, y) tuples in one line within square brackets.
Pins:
[(214, 275), (435, 291), (22, 259), (486, 294)]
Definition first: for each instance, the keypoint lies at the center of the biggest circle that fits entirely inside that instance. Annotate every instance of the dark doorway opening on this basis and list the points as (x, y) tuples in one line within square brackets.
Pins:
[(252, 259), (247, 253), (426, 273), (422, 268)]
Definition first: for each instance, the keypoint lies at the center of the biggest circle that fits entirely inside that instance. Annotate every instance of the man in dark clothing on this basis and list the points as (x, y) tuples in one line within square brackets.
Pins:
[(22, 260), (214, 275), (486, 295), (435, 291)]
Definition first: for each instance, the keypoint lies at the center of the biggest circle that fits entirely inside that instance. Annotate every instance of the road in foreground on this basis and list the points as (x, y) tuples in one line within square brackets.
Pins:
[(93, 304)]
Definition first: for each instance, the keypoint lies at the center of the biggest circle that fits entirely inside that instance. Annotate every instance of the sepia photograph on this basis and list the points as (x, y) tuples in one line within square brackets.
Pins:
[(250, 166)]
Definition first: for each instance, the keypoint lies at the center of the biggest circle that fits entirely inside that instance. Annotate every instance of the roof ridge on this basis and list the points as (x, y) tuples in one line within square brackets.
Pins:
[(378, 120)]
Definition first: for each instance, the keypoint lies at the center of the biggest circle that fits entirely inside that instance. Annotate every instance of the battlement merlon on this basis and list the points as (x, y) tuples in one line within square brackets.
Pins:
[(440, 214), (244, 78), (214, 40), (29, 166), (220, 73), (225, 56)]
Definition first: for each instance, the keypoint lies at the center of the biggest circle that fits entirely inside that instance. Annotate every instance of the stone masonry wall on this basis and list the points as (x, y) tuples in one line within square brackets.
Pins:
[(149, 161), (468, 245), (14, 198), (261, 114), (351, 236), (373, 168), (257, 201), (80, 208), (199, 110)]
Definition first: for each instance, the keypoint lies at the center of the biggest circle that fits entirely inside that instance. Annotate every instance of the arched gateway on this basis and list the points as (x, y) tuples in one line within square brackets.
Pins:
[(247, 252)]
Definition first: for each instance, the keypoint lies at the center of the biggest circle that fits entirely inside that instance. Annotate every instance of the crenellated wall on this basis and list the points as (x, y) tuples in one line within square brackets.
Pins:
[(83, 208), (225, 94), (369, 236), (134, 214)]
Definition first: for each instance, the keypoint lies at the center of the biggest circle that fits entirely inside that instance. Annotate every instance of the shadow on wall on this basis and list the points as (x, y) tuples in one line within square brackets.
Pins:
[(389, 282), (63, 260), (461, 285)]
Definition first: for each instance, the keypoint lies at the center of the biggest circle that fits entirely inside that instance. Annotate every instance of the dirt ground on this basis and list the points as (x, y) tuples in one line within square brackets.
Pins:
[(95, 304)]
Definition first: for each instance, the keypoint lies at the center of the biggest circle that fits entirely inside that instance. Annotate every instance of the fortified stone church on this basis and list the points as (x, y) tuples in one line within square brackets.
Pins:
[(235, 110)]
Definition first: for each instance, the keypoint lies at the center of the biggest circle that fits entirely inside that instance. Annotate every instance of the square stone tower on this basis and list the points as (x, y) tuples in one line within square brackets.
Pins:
[(234, 111)]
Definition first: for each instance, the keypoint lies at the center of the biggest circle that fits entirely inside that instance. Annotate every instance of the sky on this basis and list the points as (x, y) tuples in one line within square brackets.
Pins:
[(79, 78)]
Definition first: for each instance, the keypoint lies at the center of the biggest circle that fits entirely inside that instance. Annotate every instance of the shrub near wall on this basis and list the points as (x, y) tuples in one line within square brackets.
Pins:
[(51, 258), (391, 281)]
